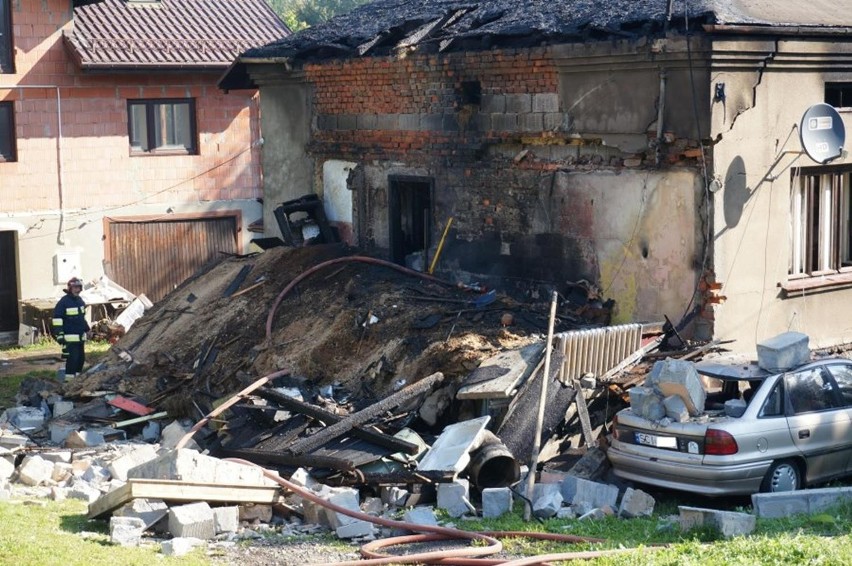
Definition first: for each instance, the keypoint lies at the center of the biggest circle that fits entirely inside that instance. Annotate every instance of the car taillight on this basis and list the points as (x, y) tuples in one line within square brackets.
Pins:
[(719, 443)]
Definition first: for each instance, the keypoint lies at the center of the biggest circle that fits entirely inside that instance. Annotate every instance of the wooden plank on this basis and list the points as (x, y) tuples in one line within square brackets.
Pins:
[(179, 491), (498, 376), (583, 413)]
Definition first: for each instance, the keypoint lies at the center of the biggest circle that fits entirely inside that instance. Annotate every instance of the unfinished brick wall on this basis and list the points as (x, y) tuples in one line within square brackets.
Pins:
[(87, 153)]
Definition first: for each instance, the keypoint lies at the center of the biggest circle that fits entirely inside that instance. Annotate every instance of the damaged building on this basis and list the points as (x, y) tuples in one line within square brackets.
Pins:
[(650, 148)]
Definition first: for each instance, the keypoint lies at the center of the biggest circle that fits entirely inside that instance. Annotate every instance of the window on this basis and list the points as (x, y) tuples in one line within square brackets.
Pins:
[(838, 95), (821, 239), (842, 374), (7, 53), (810, 391), (163, 126), (774, 404), (8, 151)]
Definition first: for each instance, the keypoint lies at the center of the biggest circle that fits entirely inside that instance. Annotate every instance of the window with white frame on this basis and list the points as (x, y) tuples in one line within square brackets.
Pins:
[(162, 126), (820, 201)]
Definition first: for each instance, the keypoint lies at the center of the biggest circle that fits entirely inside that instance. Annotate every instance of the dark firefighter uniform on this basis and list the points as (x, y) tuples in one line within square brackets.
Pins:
[(70, 328)]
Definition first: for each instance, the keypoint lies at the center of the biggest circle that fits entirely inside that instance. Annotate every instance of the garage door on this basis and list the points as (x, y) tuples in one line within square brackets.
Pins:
[(154, 257)]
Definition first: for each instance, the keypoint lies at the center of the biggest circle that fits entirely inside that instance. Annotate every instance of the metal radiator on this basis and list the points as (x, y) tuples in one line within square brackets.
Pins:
[(596, 350)]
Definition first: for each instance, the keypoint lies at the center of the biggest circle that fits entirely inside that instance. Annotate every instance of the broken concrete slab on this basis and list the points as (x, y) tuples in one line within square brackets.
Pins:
[(729, 523), (421, 515), (149, 511), (35, 470), (803, 502), (451, 451), (580, 492), (676, 409), (179, 546), (173, 433), (194, 520), (126, 531), (136, 457), (189, 466), (549, 502), (498, 376), (678, 377), (783, 352), (255, 512), (226, 519), (636, 503), (454, 498)]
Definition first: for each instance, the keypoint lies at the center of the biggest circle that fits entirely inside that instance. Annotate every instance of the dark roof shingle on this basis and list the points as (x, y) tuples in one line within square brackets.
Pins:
[(209, 34)]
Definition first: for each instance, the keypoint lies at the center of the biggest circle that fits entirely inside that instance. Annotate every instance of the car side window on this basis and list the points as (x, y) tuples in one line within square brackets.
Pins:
[(774, 404), (810, 391), (842, 374)]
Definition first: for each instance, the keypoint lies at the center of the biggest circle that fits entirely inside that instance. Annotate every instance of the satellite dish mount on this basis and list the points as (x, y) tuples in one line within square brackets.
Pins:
[(822, 133)]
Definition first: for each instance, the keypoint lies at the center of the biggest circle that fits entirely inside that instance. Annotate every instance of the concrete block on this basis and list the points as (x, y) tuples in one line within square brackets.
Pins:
[(545, 102), (451, 450), (60, 456), (142, 453), (372, 506), (59, 430), (180, 546), (421, 515), (581, 492), (356, 529), (636, 503), (783, 352), (735, 407), (149, 511), (151, 432), (93, 437), (549, 503), (776, 505), (676, 408), (518, 103), (26, 418), (188, 465), (346, 498), (84, 492), (226, 519), (95, 474), (303, 478), (194, 520), (62, 407), (645, 402), (35, 470), (454, 497), (7, 467), (728, 523), (62, 472), (394, 496), (255, 512), (678, 377), (496, 502), (126, 531), (172, 434)]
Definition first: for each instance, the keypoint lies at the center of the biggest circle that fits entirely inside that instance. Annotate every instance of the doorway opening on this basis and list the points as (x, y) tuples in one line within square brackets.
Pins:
[(410, 222), (8, 281)]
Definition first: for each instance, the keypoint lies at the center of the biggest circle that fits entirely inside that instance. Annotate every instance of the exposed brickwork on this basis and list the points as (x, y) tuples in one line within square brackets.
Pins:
[(94, 163)]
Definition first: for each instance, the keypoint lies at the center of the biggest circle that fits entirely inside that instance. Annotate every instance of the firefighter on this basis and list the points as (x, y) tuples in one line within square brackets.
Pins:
[(70, 327)]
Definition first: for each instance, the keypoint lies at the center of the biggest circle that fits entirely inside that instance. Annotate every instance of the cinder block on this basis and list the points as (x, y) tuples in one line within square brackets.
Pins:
[(645, 402), (346, 498), (148, 510), (678, 377), (188, 465), (119, 467), (35, 470), (62, 407), (728, 523), (783, 352), (126, 531), (194, 520), (421, 515), (454, 497), (636, 503), (226, 519), (496, 502), (356, 529), (676, 408), (255, 512), (581, 492)]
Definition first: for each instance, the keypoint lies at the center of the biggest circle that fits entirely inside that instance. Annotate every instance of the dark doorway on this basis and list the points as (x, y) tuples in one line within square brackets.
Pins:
[(8, 282), (410, 210)]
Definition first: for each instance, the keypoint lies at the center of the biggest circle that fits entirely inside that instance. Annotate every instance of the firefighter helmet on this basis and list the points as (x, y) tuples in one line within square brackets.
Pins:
[(75, 282)]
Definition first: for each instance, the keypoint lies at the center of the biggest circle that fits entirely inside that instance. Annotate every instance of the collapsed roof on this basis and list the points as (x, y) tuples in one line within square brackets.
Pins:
[(457, 25)]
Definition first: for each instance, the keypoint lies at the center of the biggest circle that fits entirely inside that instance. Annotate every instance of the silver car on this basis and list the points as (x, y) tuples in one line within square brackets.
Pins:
[(796, 431)]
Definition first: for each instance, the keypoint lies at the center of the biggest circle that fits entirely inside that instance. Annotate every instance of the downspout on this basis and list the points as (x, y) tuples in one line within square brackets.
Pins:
[(60, 238), (661, 104)]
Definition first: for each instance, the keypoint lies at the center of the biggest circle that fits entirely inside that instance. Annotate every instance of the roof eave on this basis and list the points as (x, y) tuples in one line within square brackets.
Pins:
[(751, 29), (237, 76)]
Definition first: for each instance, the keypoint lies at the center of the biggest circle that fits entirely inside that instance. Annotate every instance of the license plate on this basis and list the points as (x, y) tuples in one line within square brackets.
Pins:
[(654, 440)]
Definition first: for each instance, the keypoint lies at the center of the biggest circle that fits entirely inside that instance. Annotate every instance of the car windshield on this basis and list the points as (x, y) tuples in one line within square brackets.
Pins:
[(726, 381)]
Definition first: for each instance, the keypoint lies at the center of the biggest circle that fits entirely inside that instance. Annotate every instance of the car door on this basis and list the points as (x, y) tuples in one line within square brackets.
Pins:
[(819, 425), (842, 374)]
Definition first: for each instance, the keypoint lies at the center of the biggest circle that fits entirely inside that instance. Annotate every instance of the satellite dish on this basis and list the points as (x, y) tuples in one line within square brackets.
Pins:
[(822, 133)]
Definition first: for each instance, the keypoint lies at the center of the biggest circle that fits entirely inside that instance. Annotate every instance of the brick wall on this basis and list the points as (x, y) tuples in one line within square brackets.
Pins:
[(92, 157)]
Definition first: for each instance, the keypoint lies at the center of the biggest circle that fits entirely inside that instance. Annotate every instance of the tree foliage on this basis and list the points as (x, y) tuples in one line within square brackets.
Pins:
[(300, 14)]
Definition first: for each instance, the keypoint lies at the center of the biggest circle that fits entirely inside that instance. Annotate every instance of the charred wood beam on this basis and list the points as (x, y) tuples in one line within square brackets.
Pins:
[(284, 459), (291, 404), (399, 477), (348, 423)]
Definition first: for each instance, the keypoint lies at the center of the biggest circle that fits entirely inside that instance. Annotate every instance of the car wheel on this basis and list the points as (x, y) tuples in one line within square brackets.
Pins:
[(782, 476)]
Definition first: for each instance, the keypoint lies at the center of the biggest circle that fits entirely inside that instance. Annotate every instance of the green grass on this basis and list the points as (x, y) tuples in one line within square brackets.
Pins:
[(9, 386), (59, 534)]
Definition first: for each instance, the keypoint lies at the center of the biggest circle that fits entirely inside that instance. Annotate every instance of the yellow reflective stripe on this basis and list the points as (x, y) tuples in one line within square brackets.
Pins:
[(74, 337), (73, 311), (57, 322)]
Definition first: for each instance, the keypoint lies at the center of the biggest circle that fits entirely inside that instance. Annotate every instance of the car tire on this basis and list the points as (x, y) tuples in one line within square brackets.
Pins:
[(782, 476)]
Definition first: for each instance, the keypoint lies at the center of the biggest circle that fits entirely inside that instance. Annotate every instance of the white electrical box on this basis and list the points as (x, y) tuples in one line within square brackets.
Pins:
[(66, 265)]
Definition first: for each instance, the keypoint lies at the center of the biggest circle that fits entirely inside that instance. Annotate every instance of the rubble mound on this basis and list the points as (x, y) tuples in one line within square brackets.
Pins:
[(364, 329)]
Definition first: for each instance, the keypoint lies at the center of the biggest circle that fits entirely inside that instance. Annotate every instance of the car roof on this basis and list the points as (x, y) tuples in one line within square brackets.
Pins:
[(738, 368)]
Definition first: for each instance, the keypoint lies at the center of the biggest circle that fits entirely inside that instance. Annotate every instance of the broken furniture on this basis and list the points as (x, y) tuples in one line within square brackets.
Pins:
[(310, 211)]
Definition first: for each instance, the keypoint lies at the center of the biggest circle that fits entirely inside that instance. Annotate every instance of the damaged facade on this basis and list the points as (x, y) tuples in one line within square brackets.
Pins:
[(118, 154), (654, 156)]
